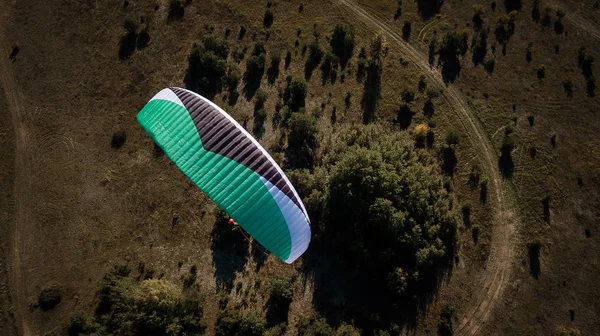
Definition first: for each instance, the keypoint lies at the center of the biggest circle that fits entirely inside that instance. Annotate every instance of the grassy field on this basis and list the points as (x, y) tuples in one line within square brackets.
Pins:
[(81, 206)]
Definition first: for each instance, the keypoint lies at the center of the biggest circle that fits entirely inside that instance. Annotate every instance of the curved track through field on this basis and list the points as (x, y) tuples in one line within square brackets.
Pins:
[(498, 267)]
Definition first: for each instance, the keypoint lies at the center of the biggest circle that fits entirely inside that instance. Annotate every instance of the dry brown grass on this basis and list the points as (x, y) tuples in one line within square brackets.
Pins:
[(91, 206)]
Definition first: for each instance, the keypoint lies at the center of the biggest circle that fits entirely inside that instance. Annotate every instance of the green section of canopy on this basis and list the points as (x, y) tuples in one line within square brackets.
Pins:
[(232, 186)]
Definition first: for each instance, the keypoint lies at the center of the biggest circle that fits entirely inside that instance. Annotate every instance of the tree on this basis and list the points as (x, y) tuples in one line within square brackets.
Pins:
[(237, 322), (342, 43), (449, 51), (302, 140), (207, 64)]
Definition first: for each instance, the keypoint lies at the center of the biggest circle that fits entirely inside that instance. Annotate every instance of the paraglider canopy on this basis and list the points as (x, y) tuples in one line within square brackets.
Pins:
[(231, 167)]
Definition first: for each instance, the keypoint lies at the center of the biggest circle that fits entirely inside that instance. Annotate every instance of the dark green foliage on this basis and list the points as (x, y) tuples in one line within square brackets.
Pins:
[(295, 94), (376, 207), (429, 8), (268, 19), (314, 58), (236, 322), (329, 67), (176, 10), (505, 28), (445, 323), (49, 297), (82, 324), (152, 307), (342, 43), (207, 64), (453, 138), (374, 69), (255, 68), (448, 55), (302, 140), (479, 46), (531, 119), (422, 84), (314, 326), (273, 71), (281, 292)]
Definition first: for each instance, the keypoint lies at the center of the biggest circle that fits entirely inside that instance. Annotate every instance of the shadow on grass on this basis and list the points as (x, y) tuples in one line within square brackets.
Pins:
[(357, 296), (229, 251)]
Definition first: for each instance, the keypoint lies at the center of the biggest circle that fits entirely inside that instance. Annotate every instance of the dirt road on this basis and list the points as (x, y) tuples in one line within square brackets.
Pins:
[(498, 266), (22, 189)]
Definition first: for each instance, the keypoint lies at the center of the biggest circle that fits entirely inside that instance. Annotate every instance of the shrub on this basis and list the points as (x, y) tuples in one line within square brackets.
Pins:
[(342, 43), (296, 93), (236, 322), (421, 131), (207, 64), (176, 10), (453, 138), (49, 297), (475, 233), (302, 140), (541, 72), (531, 119), (314, 326), (445, 323), (422, 84), (371, 168)]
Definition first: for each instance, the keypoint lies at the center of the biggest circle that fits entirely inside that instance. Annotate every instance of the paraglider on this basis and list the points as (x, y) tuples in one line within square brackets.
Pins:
[(231, 167)]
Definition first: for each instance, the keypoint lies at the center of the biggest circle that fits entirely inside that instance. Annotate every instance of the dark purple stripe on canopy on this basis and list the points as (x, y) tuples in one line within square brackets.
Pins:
[(221, 136)]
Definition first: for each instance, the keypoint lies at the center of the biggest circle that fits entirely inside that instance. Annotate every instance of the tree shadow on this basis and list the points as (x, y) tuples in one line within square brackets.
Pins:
[(343, 293), (272, 73), (404, 118), (127, 45), (506, 164), (511, 5), (534, 260), (449, 160), (229, 251), (546, 205), (429, 8)]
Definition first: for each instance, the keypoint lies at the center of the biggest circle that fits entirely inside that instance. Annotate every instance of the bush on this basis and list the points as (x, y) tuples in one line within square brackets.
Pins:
[(49, 297), (453, 138), (176, 10), (207, 64), (421, 132), (531, 119), (541, 72), (342, 43), (236, 322), (302, 140), (314, 326), (483, 186), (406, 30), (372, 170), (445, 323), (591, 86), (296, 94)]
